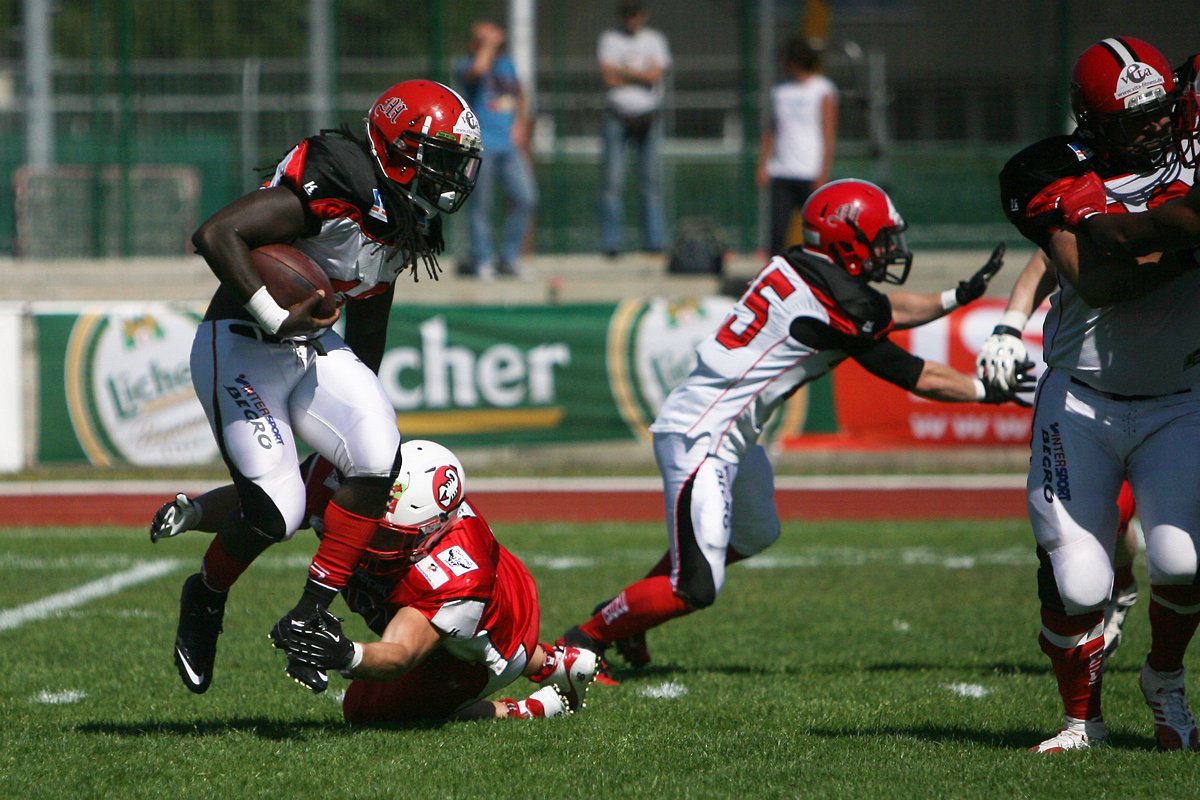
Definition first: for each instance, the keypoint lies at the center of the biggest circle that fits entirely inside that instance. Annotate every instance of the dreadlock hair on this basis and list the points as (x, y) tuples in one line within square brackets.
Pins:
[(413, 236)]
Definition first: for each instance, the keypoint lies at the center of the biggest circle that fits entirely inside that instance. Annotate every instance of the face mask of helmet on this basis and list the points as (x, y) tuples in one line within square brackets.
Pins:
[(444, 173), (426, 140), (1140, 140), (1187, 113)]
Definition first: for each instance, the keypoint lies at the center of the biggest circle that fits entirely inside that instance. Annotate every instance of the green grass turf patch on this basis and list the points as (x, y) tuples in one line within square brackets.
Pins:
[(849, 660)]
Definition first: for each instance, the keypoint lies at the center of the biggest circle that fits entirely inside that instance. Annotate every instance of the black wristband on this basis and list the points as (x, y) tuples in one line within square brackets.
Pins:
[(1001, 330)]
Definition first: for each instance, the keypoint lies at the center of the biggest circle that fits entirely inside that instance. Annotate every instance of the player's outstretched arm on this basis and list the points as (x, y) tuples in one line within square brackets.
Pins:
[(910, 310), (940, 382), (408, 640)]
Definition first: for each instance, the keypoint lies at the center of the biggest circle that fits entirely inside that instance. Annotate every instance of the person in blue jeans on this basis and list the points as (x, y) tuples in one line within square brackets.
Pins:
[(633, 60), (488, 78)]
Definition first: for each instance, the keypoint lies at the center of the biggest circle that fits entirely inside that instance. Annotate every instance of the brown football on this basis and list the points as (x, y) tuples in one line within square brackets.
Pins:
[(290, 276)]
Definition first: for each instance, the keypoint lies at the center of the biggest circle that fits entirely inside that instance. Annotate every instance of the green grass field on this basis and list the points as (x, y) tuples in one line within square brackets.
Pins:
[(854, 660)]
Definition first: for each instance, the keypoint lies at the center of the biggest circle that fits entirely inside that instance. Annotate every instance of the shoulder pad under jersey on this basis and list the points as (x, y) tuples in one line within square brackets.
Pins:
[(1033, 169)]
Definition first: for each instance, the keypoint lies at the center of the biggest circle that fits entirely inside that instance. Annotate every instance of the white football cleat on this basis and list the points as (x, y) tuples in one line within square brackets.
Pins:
[(1174, 725), (546, 703), (1076, 734), (574, 669)]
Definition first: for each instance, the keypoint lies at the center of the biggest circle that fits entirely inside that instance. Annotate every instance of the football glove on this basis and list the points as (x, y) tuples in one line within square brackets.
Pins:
[(1022, 385), (1047, 200), (315, 641), (999, 357), (1082, 199), (174, 518), (974, 287)]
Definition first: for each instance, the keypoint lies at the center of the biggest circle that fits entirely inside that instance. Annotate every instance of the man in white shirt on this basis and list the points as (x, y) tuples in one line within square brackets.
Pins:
[(633, 60), (797, 147)]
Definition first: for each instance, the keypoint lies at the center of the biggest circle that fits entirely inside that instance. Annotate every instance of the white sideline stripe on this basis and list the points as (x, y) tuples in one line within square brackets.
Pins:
[(816, 557), (47, 606), (866, 483)]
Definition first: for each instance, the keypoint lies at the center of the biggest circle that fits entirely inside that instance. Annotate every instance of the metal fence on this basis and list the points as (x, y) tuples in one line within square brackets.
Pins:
[(221, 117)]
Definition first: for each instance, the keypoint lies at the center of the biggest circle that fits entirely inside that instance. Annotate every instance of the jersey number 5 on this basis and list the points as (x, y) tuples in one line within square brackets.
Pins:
[(758, 304)]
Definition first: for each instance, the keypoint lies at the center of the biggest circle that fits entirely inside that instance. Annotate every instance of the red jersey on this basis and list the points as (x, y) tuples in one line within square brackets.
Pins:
[(479, 596)]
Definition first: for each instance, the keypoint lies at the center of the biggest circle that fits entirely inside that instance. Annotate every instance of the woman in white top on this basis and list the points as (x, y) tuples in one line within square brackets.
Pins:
[(798, 144)]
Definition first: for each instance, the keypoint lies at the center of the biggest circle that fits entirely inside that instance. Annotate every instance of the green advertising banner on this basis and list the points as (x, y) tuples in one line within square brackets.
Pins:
[(115, 385)]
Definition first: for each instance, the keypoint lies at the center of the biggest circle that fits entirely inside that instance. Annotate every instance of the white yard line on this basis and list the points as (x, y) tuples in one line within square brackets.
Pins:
[(48, 606)]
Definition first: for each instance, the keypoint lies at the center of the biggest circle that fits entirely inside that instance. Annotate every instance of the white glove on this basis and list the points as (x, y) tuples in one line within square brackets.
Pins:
[(1000, 357)]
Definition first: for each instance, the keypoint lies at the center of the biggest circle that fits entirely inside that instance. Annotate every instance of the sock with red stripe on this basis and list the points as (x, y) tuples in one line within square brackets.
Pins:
[(1174, 614), (641, 606), (1077, 666)]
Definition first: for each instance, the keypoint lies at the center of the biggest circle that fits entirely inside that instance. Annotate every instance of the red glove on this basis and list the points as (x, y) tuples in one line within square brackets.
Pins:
[(1048, 198), (1082, 199)]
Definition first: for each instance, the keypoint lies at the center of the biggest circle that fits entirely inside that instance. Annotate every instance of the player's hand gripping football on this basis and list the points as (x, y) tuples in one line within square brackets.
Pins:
[(302, 317), (974, 287)]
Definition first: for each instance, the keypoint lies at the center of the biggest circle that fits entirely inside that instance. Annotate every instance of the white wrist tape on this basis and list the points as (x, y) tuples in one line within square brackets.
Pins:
[(980, 390), (949, 300), (1014, 319), (266, 311), (357, 658)]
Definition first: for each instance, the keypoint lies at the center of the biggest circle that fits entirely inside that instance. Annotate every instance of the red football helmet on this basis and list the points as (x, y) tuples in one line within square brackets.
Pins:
[(855, 224), (427, 493), (1123, 96), (426, 138)]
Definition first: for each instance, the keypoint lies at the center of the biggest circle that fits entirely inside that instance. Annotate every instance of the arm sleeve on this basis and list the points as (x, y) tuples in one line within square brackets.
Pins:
[(883, 358)]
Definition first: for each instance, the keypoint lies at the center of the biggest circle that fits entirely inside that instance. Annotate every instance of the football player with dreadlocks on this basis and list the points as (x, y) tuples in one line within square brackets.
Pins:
[(1120, 399), (806, 311), (457, 614), (365, 210)]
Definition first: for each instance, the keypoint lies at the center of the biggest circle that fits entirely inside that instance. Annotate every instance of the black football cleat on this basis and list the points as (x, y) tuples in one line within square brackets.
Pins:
[(201, 611)]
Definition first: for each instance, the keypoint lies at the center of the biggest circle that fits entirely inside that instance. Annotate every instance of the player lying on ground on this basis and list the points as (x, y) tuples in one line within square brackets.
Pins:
[(809, 309), (456, 612)]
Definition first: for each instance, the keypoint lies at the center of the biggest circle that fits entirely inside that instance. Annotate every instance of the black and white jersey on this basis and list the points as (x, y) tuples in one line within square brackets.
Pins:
[(353, 218)]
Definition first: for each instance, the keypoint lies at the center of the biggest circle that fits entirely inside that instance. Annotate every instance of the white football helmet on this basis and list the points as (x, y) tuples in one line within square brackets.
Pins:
[(424, 502)]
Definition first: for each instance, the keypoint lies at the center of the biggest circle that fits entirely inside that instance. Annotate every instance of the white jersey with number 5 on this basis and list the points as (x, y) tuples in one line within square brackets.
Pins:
[(751, 364)]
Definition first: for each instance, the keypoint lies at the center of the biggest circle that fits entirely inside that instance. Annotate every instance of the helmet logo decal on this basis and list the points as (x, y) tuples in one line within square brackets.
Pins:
[(847, 212), (392, 108), (1138, 83), (447, 487), (466, 127)]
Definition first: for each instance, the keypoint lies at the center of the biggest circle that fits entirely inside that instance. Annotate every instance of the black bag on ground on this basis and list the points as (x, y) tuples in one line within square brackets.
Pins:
[(698, 249)]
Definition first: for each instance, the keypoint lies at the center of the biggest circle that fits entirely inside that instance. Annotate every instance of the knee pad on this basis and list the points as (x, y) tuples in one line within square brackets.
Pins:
[(259, 512), (696, 588), (1047, 586)]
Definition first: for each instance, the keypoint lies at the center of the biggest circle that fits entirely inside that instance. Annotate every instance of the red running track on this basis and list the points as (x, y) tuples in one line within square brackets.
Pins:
[(563, 501)]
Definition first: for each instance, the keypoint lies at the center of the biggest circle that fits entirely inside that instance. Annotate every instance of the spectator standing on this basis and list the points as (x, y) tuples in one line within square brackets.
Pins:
[(633, 61), (798, 143), (488, 79)]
